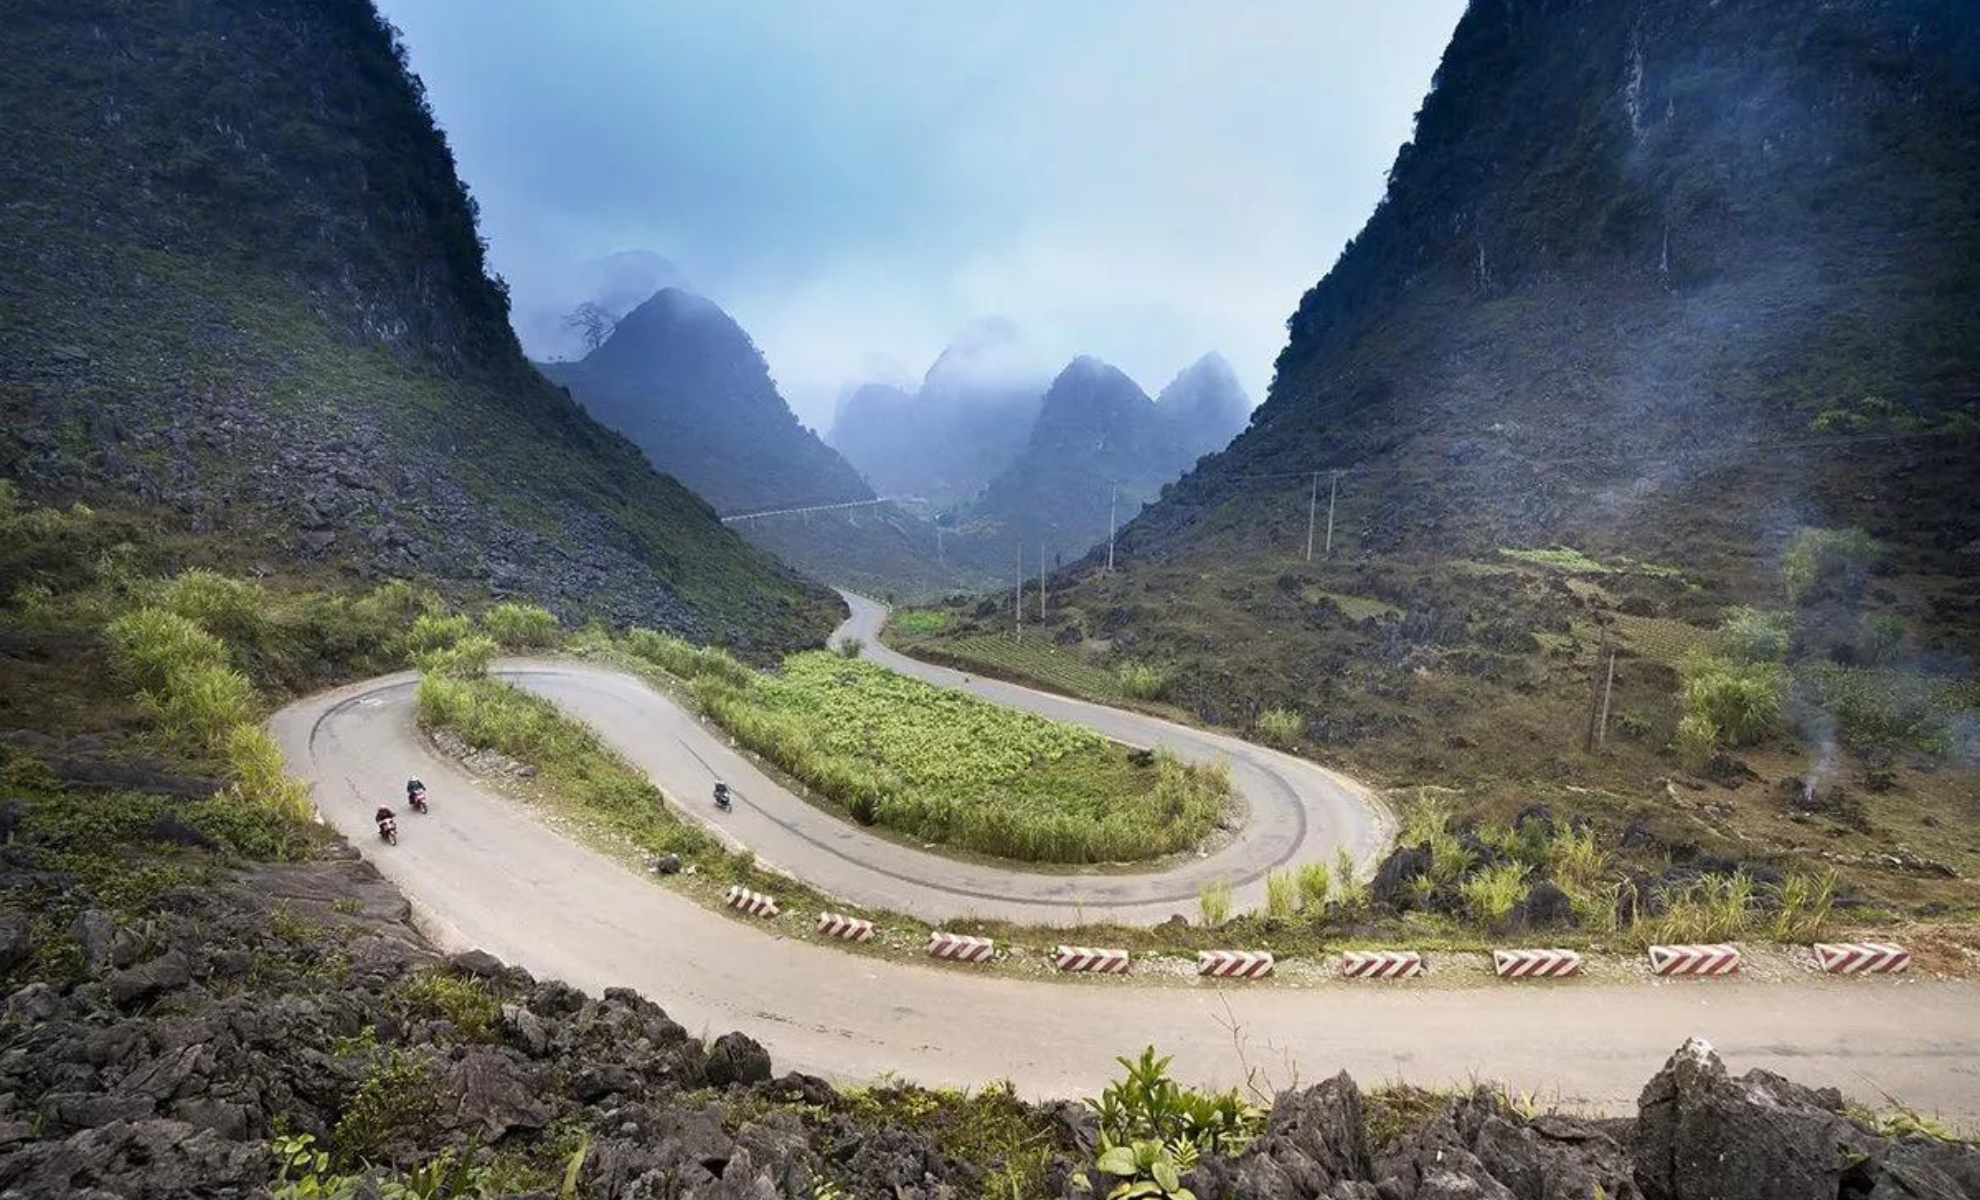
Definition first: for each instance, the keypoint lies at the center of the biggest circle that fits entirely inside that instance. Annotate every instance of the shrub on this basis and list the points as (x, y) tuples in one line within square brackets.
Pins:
[(1148, 1105), (232, 609), (1697, 740), (1743, 702), (851, 647), (1350, 889), (1213, 902), (199, 706), (685, 661), (153, 645), (1141, 681), (1281, 726), (437, 994), (1804, 904), (1281, 894), (1314, 883), (434, 631), (395, 604), (520, 626), (467, 658), (1757, 635), (1577, 861), (1711, 908), (398, 1101), (1823, 562), (260, 774), (1491, 895)]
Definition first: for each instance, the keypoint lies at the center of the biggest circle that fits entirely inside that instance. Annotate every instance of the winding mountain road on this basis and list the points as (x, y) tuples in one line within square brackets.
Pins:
[(485, 872)]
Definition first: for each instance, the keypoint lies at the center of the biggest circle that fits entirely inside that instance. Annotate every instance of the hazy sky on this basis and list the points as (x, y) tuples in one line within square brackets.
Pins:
[(1142, 180)]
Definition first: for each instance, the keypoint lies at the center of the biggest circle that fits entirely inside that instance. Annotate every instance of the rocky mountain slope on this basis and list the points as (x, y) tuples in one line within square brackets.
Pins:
[(966, 422), (1099, 448), (241, 291), (1205, 405), (683, 381)]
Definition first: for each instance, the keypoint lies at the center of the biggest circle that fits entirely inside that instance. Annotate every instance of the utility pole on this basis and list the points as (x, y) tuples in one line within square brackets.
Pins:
[(1608, 687), (1333, 486), (1110, 525), (1041, 581), (1595, 693), (1017, 597), (1312, 503)]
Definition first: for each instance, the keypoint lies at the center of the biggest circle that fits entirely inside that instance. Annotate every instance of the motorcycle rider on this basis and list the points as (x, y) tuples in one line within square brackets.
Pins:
[(384, 816), (416, 794), (721, 795)]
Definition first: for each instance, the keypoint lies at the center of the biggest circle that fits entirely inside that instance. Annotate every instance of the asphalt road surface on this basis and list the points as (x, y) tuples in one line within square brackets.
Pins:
[(483, 871)]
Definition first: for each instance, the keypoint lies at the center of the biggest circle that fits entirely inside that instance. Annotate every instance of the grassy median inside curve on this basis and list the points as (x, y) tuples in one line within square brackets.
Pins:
[(940, 765)]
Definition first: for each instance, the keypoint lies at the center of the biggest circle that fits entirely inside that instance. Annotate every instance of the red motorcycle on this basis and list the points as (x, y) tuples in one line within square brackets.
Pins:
[(417, 798)]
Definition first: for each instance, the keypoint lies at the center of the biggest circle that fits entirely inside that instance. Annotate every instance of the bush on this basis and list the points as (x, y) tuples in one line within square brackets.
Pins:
[(1828, 562), (1213, 903), (232, 609), (434, 631), (520, 626), (1350, 889), (685, 661), (1740, 703), (1140, 681), (1889, 708), (1804, 903), (1315, 882), (1757, 635), (1711, 908), (1281, 894), (261, 775), (465, 659), (919, 622), (153, 645), (1491, 895), (436, 994), (851, 647), (398, 1102), (199, 706), (1147, 1105), (1281, 726)]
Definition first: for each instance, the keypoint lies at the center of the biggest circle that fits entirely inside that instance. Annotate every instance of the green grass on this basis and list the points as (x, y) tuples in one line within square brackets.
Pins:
[(919, 622), (942, 766), (1280, 727), (1355, 608), (1142, 681), (1213, 903), (1574, 562), (1035, 660), (520, 626), (570, 760)]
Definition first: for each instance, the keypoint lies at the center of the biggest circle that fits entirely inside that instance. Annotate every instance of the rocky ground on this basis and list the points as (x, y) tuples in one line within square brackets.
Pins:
[(159, 1056)]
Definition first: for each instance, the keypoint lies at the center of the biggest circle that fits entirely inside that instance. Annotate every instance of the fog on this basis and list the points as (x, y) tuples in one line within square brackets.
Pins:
[(1142, 181)]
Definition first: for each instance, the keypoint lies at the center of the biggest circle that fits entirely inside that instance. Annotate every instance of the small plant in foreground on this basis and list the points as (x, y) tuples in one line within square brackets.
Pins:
[(1147, 1105), (1281, 894), (1280, 726), (1491, 895), (1140, 681), (1315, 882), (1213, 903)]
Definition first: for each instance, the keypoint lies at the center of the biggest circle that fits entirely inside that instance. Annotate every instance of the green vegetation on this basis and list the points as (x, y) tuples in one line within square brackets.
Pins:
[(1281, 894), (464, 1003), (1729, 703), (1213, 903), (1281, 727), (1034, 659), (1490, 895), (1560, 558), (1893, 709), (1315, 882), (397, 1102), (1821, 562), (918, 622), (683, 660), (1142, 681), (571, 762), (1757, 635), (520, 626), (851, 647), (943, 766), (1147, 1106)]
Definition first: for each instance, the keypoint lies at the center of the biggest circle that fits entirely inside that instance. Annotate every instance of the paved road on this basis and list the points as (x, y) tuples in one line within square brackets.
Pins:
[(1296, 811), (484, 872)]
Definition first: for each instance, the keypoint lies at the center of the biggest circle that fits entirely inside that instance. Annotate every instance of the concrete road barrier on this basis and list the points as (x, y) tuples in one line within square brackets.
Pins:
[(1862, 958), (1535, 963), (751, 902), (1695, 960), (851, 929), (1086, 958), (1234, 964), (960, 947), (1381, 964)]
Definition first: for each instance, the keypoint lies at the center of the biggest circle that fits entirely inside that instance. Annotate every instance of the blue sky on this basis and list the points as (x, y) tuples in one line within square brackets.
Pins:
[(1142, 180)]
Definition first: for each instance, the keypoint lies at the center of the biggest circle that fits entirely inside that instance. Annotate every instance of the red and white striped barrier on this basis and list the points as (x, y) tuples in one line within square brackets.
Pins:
[(852, 929), (1234, 964), (751, 902), (1535, 964), (1694, 960), (1861, 958), (960, 947), (1086, 958), (1381, 964)]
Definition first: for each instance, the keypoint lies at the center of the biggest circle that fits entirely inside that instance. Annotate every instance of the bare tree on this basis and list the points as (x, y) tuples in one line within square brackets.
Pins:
[(592, 323)]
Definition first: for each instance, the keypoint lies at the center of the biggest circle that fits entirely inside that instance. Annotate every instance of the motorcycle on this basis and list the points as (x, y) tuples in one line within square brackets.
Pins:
[(388, 832), (722, 797), (417, 799)]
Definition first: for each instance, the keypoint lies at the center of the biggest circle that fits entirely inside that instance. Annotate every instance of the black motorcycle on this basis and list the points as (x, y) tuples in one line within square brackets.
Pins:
[(722, 797)]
